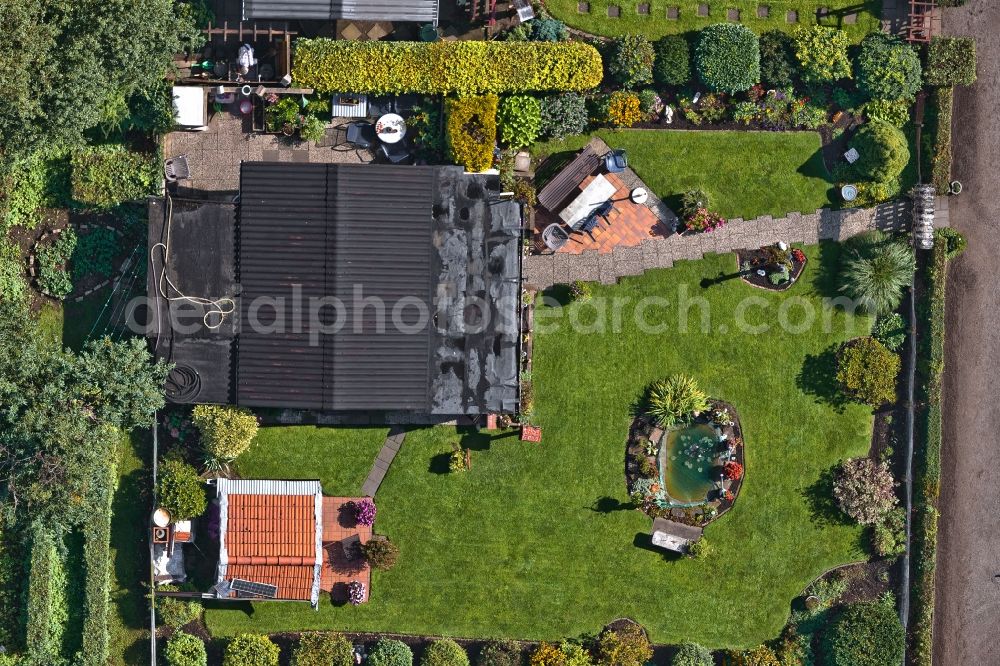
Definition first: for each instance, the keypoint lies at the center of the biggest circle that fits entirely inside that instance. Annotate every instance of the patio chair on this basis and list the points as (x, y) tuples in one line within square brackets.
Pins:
[(615, 161), (604, 210), (176, 168), (396, 153), (361, 134), (554, 236)]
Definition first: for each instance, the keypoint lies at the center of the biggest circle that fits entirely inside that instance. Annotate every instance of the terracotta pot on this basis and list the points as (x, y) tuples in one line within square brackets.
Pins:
[(837, 116)]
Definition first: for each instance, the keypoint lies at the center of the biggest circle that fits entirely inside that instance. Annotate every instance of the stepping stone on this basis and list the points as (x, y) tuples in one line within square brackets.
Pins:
[(733, 14), (614, 11), (851, 19), (583, 7), (643, 9), (271, 155), (703, 9), (763, 11), (673, 13), (791, 16)]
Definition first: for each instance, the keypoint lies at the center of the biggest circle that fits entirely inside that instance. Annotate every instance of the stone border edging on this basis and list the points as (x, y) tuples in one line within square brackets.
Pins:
[(33, 274)]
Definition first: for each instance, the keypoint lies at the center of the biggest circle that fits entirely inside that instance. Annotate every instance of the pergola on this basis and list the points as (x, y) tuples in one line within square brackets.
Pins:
[(924, 21)]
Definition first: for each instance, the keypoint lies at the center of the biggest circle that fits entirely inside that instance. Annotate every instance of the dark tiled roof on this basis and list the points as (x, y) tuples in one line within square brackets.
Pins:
[(425, 11)]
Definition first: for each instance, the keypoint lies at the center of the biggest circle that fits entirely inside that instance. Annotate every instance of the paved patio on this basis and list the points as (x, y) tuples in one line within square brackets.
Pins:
[(338, 531)]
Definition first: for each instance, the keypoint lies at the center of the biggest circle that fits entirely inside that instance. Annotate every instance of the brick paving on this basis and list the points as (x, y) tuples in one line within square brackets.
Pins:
[(542, 271), (339, 535)]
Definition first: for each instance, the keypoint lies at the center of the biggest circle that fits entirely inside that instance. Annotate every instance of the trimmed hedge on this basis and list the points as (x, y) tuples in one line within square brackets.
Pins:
[(445, 67), (46, 604), (97, 592), (951, 61), (390, 652), (941, 104), (927, 478), (888, 68), (672, 64), (865, 634), (472, 131)]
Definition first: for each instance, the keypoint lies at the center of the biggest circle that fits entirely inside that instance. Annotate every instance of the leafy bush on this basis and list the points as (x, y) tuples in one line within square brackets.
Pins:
[(390, 652), (95, 253), (692, 200), (672, 61), (32, 182), (647, 468), (889, 535), (761, 655), (692, 654), (876, 276), (625, 646), (47, 606), (500, 653), (51, 263), (954, 240), (547, 654), (866, 634), (649, 101), (822, 53), (675, 398), (312, 128), (951, 61), (548, 30), (727, 57), (444, 652), (564, 115), (380, 553), (283, 112), (575, 654), (465, 67), (520, 120), (777, 60), (185, 650), (226, 432), (894, 112), (181, 490), (13, 288), (867, 371), (472, 130), (323, 648), (425, 123), (624, 109), (251, 650), (890, 330), (631, 60), (883, 150), (457, 460), (807, 115), (888, 68), (105, 176), (864, 490), (175, 612)]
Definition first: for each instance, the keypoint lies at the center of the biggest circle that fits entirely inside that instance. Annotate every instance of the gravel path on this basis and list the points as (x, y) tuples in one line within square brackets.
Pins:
[(968, 596)]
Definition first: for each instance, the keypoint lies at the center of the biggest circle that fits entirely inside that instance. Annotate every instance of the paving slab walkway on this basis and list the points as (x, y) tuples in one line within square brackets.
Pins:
[(542, 271), (382, 462)]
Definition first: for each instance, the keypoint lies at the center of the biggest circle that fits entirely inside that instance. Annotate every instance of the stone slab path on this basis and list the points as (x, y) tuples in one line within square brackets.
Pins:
[(542, 271), (382, 462)]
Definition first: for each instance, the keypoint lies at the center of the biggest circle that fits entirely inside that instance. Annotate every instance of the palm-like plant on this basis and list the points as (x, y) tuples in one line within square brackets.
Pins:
[(876, 274), (673, 398)]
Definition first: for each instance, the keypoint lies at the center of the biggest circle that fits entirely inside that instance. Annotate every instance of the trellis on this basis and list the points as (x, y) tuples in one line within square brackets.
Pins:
[(924, 21)]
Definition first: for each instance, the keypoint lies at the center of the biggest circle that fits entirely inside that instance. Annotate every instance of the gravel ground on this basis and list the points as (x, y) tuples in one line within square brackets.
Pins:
[(968, 595)]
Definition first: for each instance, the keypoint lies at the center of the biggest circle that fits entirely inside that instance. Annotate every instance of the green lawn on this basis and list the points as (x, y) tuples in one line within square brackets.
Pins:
[(656, 24), (746, 174), (535, 541)]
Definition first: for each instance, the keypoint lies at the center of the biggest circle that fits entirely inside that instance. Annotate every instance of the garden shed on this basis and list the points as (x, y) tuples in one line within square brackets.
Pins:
[(416, 11)]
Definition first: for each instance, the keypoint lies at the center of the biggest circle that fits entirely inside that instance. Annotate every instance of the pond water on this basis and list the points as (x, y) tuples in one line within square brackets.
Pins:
[(686, 461)]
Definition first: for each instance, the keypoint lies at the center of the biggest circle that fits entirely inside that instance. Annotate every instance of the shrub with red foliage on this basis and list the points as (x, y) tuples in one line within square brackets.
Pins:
[(733, 470)]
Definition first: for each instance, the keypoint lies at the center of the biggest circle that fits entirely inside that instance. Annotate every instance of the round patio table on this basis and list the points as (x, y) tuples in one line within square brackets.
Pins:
[(390, 128)]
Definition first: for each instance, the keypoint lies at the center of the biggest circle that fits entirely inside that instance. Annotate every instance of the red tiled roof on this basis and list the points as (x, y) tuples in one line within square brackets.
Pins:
[(294, 582)]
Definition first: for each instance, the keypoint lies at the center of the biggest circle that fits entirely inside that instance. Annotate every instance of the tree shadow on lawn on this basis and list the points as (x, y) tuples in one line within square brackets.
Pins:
[(818, 378), (609, 504), (826, 270), (557, 296), (822, 505)]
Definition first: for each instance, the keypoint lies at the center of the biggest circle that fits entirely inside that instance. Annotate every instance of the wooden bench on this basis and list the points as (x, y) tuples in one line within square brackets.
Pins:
[(559, 188)]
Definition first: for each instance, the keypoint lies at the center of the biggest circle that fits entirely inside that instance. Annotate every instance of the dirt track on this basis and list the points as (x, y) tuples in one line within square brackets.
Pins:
[(968, 597)]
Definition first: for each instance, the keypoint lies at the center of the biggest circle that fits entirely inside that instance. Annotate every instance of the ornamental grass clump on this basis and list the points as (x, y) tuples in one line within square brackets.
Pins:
[(865, 490), (876, 274), (674, 399)]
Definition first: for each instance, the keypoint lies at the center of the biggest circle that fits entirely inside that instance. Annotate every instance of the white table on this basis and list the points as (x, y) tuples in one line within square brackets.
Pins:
[(597, 192), (390, 128)]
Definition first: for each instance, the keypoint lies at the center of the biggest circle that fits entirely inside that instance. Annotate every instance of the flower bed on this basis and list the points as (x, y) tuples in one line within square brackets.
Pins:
[(771, 267)]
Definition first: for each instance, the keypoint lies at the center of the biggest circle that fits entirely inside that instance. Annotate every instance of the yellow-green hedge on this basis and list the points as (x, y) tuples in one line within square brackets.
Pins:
[(445, 67), (472, 131)]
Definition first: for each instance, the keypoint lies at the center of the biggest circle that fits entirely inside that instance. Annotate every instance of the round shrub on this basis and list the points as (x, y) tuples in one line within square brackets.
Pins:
[(520, 120), (822, 54), (500, 653), (777, 60), (692, 654), (866, 634), (675, 398), (728, 57), (864, 490), (251, 650), (624, 646), (181, 490), (890, 330), (380, 553), (548, 30), (888, 68), (175, 612), (631, 60), (226, 432), (564, 115), (390, 652), (445, 652), (624, 109), (955, 240), (883, 151), (700, 549), (672, 61), (867, 371), (876, 276), (185, 650), (323, 648)]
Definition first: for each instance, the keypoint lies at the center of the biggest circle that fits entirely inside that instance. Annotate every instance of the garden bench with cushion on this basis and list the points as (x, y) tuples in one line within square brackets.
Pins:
[(566, 181)]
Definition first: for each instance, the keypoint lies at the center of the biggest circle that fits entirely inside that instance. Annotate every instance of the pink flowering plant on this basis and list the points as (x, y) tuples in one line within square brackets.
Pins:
[(704, 220), (356, 592), (364, 511)]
